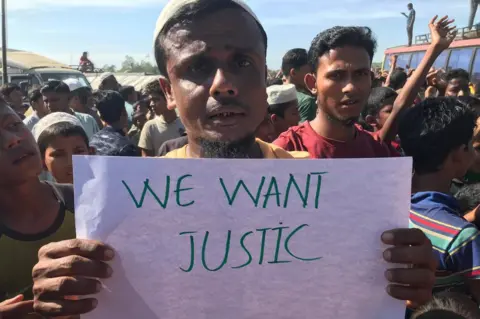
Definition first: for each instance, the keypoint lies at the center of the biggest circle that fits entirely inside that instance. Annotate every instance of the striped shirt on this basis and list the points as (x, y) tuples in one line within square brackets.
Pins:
[(456, 242)]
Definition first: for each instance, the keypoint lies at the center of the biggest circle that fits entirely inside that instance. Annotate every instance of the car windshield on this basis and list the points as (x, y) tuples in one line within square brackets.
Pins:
[(65, 76)]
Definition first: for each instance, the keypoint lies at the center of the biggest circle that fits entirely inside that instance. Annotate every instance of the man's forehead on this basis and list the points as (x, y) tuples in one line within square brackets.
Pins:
[(346, 57), (229, 28)]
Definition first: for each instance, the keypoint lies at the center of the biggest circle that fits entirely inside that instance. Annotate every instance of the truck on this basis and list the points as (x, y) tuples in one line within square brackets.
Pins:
[(28, 69)]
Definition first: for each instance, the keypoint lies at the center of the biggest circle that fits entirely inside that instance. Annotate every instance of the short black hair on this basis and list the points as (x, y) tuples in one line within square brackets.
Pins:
[(468, 197), (376, 100), (83, 94), (126, 91), (9, 88), (398, 79), (294, 59), (457, 74), (34, 95), (55, 86), (153, 87), (432, 129), (186, 15), (338, 37), (142, 102), (472, 102), (111, 105), (63, 129)]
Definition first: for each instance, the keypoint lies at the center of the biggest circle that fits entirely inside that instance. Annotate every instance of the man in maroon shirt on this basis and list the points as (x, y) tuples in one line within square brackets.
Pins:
[(341, 58)]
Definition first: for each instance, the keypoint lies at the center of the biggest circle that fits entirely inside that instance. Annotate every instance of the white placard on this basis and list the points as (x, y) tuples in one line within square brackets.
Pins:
[(238, 239)]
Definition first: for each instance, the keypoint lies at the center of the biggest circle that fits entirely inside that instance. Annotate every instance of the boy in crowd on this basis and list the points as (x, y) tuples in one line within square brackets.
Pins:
[(39, 109), (341, 58), (294, 68), (81, 99), (60, 136), (468, 198), (139, 118), (473, 173), (379, 107), (458, 83), (12, 94), (283, 107), (32, 213), (437, 133), (165, 126), (130, 96), (56, 96), (112, 140), (216, 78)]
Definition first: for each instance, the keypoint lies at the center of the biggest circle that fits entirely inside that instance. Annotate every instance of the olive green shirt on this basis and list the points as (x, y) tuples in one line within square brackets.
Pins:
[(307, 107)]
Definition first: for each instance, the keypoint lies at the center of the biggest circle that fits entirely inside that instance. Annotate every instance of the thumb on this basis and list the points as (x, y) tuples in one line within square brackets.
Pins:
[(12, 301)]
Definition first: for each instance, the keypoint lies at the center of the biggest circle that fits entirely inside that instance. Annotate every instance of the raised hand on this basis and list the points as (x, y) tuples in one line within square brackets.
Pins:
[(442, 32)]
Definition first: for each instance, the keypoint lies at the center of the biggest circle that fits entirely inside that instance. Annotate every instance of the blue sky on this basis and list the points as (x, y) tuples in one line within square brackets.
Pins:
[(111, 29)]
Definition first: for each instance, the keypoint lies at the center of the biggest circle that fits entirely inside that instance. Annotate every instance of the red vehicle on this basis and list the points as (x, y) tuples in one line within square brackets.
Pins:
[(464, 53)]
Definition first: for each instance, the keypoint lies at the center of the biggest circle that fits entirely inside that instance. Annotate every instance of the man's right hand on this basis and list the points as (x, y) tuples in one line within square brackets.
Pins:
[(65, 271)]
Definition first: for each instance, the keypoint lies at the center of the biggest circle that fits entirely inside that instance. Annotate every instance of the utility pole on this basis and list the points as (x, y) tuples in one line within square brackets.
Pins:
[(4, 42)]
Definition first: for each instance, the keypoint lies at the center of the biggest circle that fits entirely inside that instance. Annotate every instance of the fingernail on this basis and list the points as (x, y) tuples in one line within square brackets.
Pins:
[(387, 236), (387, 255), (94, 303), (98, 288), (109, 254)]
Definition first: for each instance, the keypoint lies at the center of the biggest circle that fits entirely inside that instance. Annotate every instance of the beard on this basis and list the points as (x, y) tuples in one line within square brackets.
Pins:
[(230, 149)]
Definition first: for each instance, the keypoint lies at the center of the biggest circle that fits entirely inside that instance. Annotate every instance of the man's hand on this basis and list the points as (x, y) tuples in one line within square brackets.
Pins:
[(442, 32), (393, 60), (15, 308), (412, 248), (66, 270)]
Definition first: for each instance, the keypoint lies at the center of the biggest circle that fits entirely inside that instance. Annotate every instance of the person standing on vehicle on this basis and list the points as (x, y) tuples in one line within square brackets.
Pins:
[(410, 22), (473, 12)]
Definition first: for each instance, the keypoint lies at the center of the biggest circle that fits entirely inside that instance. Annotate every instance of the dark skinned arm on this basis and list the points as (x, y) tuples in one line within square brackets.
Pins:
[(442, 36)]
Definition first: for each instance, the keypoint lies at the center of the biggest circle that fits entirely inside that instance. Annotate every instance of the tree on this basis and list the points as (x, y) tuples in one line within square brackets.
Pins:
[(109, 68), (130, 65)]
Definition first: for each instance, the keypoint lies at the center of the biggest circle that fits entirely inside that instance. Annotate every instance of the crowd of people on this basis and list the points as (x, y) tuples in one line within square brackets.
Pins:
[(214, 101)]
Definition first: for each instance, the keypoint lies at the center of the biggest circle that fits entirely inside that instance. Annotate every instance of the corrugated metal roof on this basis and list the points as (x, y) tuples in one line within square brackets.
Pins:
[(135, 80), (29, 60)]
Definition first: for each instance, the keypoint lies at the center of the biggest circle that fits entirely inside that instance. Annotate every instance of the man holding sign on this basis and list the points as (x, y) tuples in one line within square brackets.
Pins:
[(213, 54)]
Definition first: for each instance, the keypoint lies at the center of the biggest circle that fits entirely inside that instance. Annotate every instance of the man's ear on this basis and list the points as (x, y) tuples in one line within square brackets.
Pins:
[(167, 90), (91, 151), (311, 83), (273, 117), (292, 72)]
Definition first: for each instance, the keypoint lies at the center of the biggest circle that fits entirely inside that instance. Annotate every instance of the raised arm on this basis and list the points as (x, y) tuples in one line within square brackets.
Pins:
[(393, 66), (442, 36)]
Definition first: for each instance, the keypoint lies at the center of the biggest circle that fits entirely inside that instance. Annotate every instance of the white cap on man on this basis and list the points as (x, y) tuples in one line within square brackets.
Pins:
[(73, 84), (173, 6), (279, 94)]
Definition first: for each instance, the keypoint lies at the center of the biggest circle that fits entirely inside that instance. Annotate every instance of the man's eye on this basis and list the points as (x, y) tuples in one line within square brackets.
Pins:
[(244, 63), (199, 66)]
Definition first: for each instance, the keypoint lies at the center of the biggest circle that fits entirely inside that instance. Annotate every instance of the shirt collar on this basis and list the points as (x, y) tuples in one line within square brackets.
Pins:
[(432, 199)]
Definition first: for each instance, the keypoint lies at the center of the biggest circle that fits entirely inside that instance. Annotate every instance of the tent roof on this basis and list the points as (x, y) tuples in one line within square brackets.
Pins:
[(135, 80)]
